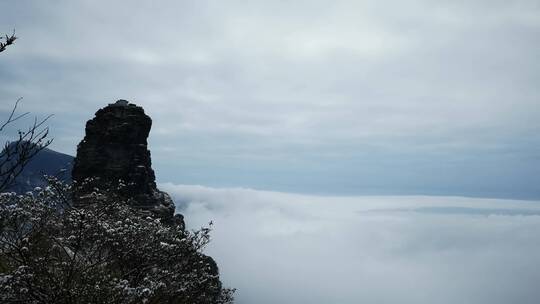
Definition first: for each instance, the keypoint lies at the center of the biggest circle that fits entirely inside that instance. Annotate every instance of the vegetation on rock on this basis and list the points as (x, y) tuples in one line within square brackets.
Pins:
[(104, 252)]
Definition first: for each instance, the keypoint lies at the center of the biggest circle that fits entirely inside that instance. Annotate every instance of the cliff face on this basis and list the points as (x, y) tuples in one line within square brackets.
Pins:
[(115, 150)]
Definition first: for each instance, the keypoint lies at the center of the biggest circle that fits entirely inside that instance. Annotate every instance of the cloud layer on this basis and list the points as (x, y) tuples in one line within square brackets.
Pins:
[(286, 248)]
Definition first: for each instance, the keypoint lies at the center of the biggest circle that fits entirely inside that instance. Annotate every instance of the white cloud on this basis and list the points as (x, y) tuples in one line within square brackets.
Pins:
[(287, 248)]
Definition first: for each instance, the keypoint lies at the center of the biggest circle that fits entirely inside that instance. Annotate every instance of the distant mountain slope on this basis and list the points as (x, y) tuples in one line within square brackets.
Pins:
[(45, 162)]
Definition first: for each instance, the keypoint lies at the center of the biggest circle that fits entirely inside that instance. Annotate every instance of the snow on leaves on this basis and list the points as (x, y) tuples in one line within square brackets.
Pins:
[(106, 252)]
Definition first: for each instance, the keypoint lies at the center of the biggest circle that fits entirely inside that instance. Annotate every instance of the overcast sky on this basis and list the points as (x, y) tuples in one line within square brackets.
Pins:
[(333, 97)]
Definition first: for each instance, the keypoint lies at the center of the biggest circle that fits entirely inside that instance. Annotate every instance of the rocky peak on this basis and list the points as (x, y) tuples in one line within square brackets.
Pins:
[(115, 151)]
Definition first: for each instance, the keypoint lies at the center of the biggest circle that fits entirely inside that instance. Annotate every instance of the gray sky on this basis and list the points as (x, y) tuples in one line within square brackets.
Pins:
[(333, 97)]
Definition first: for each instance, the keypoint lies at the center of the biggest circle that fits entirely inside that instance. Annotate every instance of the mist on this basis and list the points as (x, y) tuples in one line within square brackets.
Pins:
[(288, 248)]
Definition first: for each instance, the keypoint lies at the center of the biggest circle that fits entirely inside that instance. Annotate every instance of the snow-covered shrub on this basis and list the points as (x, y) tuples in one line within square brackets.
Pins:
[(105, 252)]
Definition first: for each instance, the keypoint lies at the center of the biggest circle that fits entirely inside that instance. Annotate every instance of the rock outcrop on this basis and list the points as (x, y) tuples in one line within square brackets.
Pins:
[(113, 153)]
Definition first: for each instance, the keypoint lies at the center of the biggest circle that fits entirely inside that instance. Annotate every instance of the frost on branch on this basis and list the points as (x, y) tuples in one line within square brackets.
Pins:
[(104, 252)]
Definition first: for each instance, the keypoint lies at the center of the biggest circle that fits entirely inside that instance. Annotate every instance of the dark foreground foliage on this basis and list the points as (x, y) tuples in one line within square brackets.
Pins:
[(106, 252)]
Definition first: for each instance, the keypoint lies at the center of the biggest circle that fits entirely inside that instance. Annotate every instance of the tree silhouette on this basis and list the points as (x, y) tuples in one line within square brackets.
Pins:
[(16, 154), (8, 40)]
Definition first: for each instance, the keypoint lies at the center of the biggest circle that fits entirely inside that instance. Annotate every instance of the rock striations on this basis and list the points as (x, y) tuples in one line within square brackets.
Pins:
[(115, 152)]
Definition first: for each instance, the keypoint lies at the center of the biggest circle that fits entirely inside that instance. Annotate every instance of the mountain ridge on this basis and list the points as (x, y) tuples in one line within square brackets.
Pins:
[(45, 162)]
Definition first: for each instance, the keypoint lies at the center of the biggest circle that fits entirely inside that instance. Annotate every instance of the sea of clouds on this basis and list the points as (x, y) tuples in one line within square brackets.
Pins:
[(290, 248)]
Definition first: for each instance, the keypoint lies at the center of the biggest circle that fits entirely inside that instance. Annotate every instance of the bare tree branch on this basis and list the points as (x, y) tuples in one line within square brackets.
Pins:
[(16, 154), (11, 117), (9, 40)]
